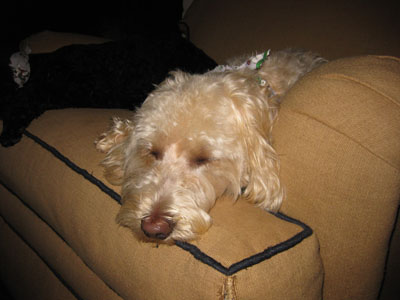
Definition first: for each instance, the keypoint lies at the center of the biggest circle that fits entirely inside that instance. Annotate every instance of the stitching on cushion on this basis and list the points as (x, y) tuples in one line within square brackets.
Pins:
[(396, 59), (338, 76), (229, 289), (345, 135), (196, 252)]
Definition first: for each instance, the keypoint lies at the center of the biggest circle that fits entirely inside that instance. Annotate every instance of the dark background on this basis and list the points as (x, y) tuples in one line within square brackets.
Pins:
[(115, 19)]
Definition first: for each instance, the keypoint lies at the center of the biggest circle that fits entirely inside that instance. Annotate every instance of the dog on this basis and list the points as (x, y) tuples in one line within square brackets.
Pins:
[(115, 74), (198, 137)]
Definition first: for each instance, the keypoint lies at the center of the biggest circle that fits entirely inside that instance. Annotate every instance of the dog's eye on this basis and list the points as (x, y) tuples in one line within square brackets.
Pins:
[(200, 161), (156, 154)]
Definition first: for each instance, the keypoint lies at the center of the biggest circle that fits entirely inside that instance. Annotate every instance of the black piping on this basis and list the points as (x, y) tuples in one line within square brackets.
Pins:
[(74, 167), (196, 252), (254, 259)]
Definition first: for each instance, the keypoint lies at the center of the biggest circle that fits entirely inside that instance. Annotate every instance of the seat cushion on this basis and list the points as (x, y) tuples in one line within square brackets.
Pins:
[(54, 173)]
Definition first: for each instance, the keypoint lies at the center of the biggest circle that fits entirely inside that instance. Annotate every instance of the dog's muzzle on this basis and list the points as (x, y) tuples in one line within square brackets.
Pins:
[(157, 227)]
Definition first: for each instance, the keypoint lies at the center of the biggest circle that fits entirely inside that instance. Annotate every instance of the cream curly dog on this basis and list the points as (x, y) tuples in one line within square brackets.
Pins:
[(197, 137)]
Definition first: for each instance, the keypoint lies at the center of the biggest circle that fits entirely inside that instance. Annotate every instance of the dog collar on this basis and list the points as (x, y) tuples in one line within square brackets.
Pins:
[(261, 58), (253, 63), (261, 81)]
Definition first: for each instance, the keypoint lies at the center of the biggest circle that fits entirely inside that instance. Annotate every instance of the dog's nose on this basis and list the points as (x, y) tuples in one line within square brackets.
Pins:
[(156, 227)]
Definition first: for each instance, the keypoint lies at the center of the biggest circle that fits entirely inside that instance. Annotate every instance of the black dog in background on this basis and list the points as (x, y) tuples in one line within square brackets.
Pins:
[(116, 74)]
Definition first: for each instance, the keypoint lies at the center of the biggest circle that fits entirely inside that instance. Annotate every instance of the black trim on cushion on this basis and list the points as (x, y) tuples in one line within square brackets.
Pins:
[(254, 259), (74, 167), (196, 252)]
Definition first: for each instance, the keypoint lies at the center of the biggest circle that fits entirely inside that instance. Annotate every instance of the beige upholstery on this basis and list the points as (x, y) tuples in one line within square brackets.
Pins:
[(82, 217), (338, 139)]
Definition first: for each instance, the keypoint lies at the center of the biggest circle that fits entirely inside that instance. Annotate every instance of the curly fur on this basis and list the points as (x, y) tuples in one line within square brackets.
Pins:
[(195, 138)]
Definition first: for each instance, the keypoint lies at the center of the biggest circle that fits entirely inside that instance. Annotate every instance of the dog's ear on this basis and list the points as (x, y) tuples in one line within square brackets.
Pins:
[(174, 79), (113, 143), (260, 177), (263, 186)]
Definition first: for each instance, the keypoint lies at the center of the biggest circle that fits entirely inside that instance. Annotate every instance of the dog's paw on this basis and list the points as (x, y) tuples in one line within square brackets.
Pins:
[(8, 139)]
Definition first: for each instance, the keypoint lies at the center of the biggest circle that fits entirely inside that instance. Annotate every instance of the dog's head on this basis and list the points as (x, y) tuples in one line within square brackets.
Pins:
[(195, 138)]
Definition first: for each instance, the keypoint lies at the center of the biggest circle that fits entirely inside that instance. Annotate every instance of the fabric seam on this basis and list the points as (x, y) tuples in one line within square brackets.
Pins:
[(196, 252)]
